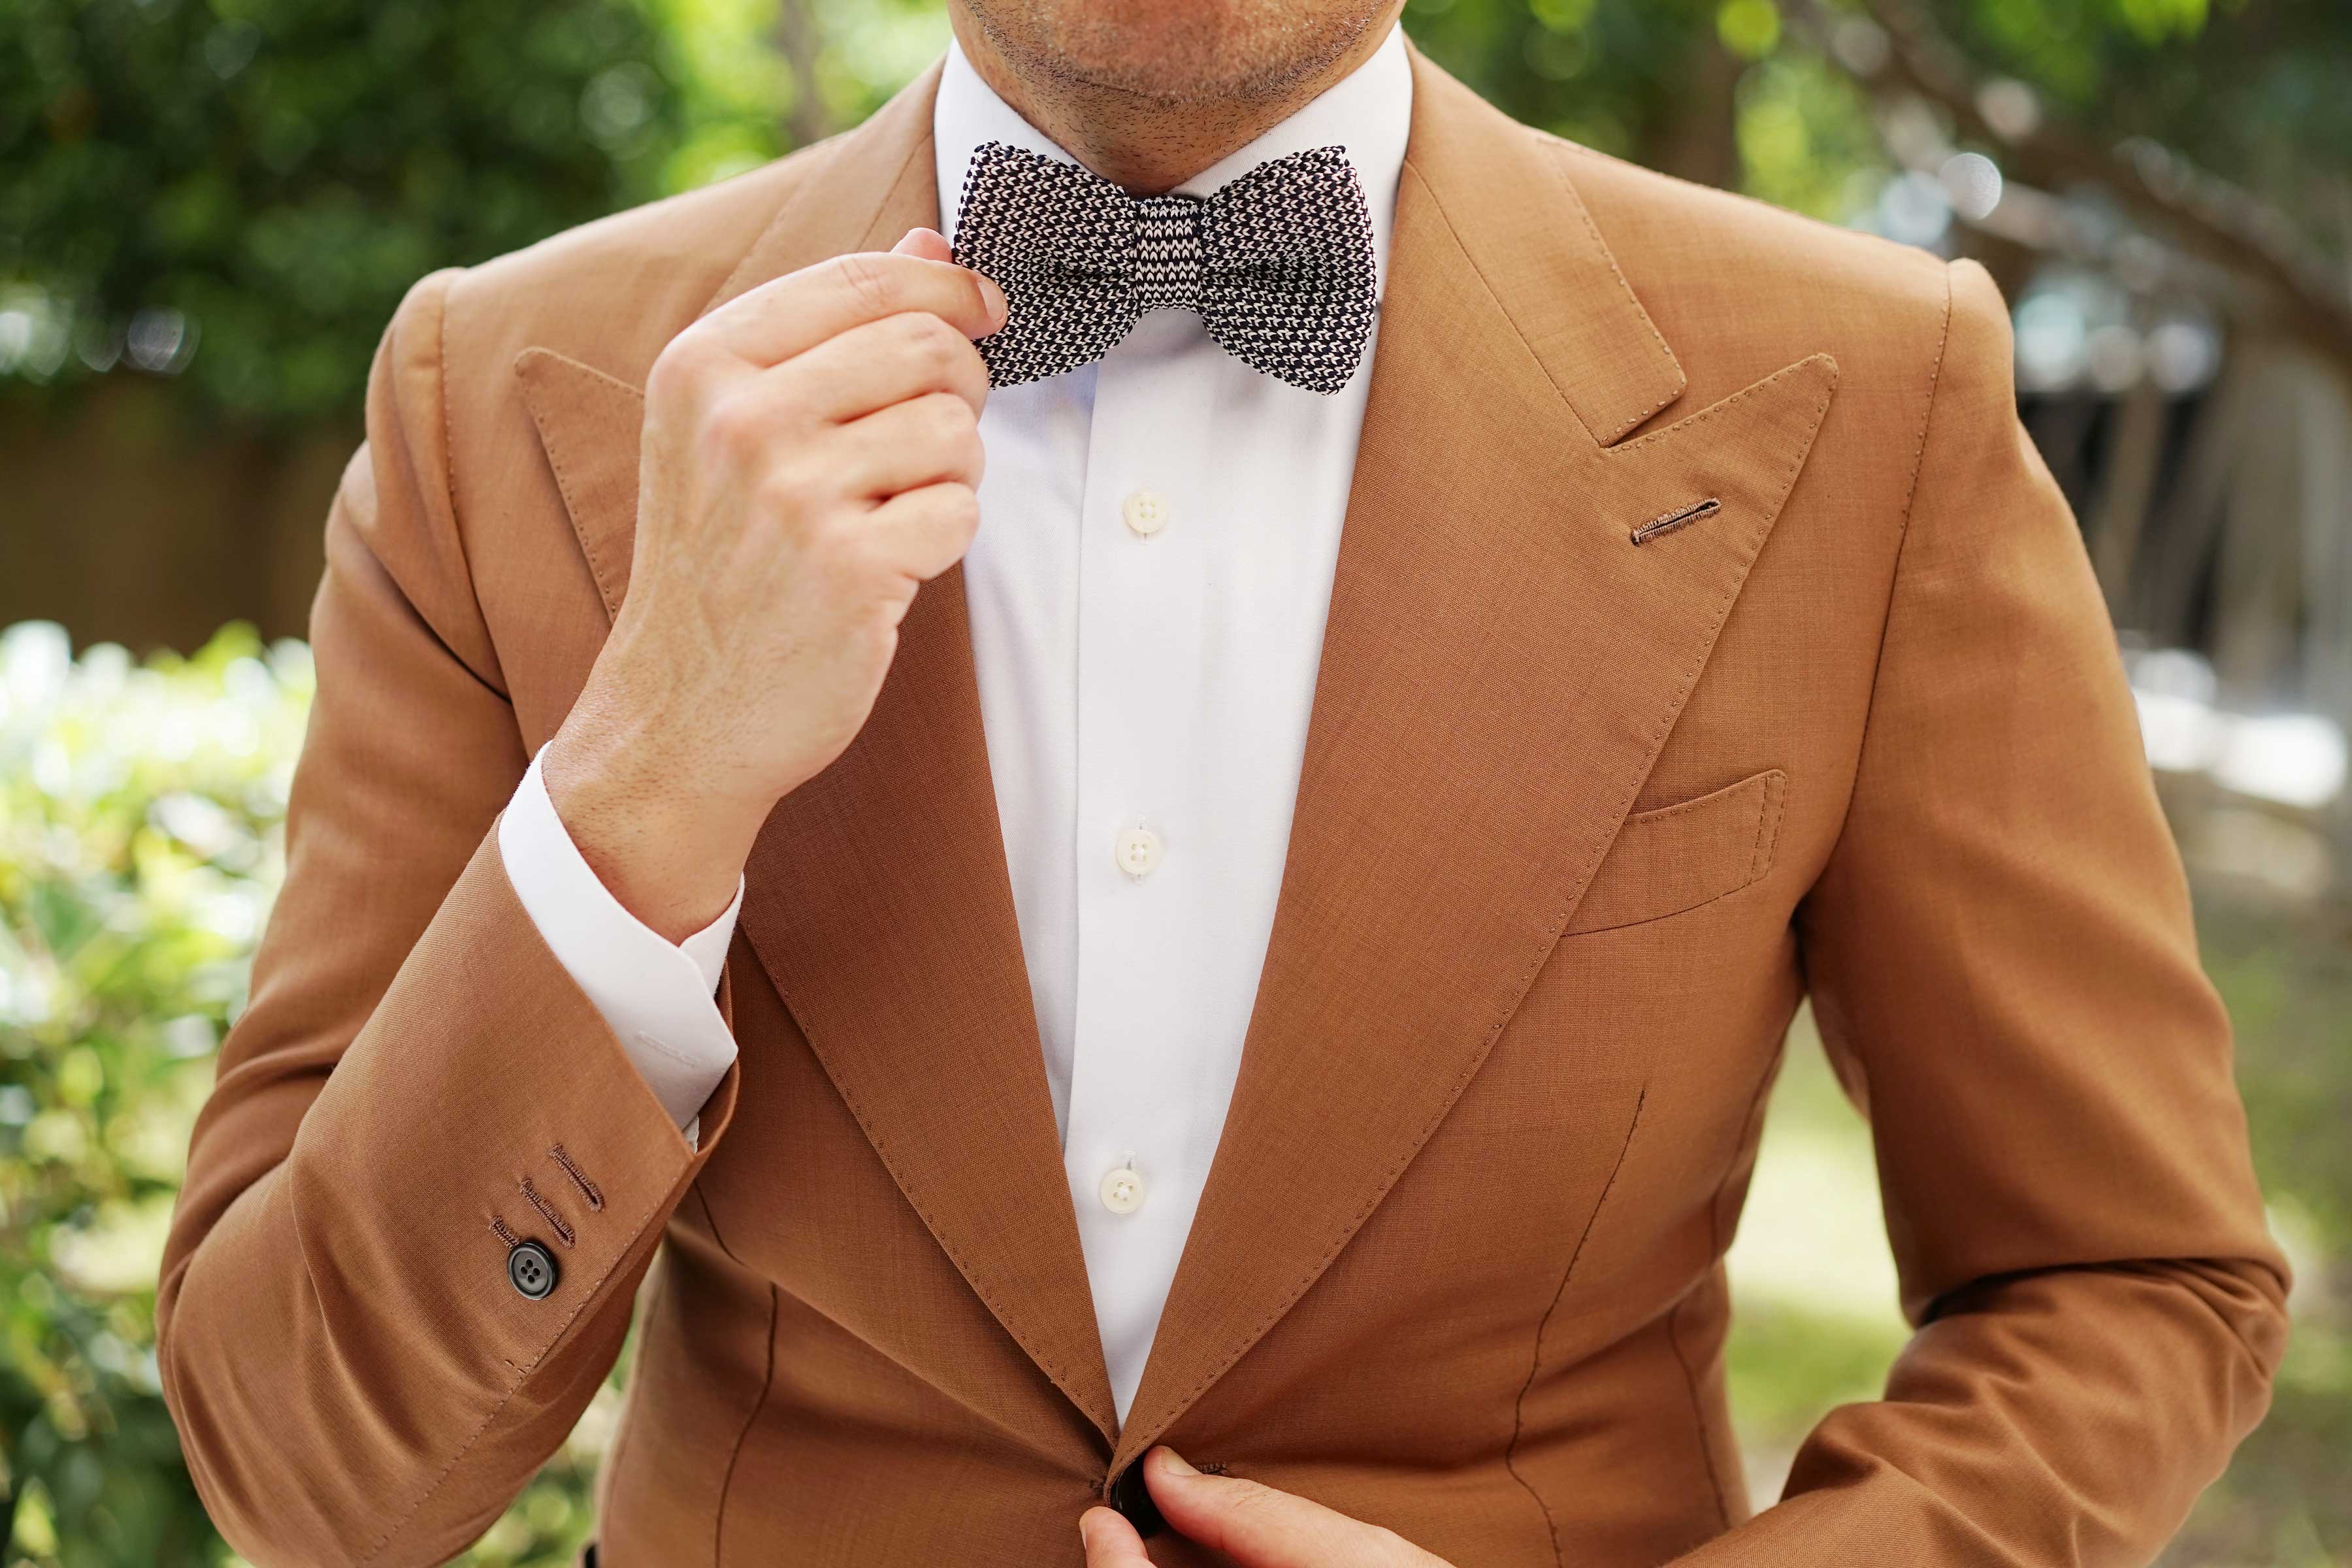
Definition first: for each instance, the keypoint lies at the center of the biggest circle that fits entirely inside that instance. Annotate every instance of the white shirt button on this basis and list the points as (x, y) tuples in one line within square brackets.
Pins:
[(1123, 1189), (1146, 511), (1137, 850)]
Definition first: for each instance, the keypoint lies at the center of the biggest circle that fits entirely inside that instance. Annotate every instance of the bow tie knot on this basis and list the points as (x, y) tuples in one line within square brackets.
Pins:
[(1168, 253), (1278, 262)]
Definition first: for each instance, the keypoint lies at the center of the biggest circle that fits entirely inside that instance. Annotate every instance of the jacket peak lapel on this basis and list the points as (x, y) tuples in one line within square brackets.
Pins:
[(1507, 198), (589, 423), (1501, 664)]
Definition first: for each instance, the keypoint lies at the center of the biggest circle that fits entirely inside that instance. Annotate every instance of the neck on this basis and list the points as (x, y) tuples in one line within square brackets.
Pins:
[(1145, 142)]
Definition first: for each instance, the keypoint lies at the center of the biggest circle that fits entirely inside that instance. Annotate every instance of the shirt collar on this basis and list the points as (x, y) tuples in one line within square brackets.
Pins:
[(1369, 112)]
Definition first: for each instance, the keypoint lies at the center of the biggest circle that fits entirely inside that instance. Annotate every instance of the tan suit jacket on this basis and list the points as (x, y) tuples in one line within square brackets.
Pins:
[(1582, 820)]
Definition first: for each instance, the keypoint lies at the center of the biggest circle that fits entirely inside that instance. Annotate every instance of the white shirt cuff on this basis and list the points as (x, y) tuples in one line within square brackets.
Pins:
[(655, 995)]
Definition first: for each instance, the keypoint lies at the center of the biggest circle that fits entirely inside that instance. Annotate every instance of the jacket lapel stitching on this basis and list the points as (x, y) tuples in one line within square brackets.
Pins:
[(577, 505), (1733, 402), (1672, 387)]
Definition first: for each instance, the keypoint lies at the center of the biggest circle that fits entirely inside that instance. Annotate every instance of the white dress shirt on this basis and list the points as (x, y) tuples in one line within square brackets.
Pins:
[(1147, 596)]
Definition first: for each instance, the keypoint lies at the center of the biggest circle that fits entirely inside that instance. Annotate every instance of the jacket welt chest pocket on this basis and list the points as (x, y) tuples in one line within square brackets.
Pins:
[(1680, 856)]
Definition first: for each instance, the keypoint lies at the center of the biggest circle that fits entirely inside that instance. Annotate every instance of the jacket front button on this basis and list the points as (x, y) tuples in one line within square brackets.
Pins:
[(1132, 1498), (532, 1268)]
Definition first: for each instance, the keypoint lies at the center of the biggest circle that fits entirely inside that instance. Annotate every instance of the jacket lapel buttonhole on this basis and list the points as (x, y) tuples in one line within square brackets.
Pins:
[(1666, 522)]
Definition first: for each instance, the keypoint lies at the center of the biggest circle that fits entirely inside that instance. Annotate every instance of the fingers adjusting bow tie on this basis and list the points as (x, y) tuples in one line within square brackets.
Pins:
[(1278, 262)]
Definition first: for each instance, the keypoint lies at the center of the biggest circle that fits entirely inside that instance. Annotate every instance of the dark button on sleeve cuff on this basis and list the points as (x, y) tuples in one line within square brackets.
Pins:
[(532, 1268)]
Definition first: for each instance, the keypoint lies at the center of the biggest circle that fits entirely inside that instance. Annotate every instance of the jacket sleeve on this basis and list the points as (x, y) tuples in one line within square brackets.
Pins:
[(2003, 967), (415, 1081)]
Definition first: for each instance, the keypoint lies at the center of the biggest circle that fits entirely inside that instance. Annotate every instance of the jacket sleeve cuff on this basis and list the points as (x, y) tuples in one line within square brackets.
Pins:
[(655, 995)]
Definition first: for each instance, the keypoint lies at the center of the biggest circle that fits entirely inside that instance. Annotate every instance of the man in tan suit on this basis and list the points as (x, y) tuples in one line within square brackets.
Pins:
[(1258, 926)]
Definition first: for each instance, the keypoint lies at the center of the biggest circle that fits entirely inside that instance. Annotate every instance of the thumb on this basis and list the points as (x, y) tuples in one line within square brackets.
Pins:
[(1110, 1541), (1259, 1526), (927, 243), (931, 245)]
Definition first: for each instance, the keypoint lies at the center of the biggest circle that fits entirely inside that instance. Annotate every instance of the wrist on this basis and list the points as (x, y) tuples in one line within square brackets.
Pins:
[(669, 849)]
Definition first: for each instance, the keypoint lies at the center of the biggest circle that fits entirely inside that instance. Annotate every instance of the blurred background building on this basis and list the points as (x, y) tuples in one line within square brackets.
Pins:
[(208, 209)]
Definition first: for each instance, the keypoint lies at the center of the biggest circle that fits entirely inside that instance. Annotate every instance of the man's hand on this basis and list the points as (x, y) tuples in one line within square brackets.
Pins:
[(1256, 1526), (809, 460)]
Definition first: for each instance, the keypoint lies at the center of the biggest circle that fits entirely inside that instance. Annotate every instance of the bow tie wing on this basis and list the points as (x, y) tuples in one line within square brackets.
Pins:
[(1278, 262), (1060, 240), (1289, 283)]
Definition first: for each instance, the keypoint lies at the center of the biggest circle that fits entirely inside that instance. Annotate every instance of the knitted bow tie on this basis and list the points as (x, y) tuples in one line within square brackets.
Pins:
[(1278, 262)]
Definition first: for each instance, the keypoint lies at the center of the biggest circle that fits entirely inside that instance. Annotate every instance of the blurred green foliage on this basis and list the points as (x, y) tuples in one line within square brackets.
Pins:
[(2287, 1501), (141, 809), (2249, 89), (239, 191), (138, 854), (274, 174)]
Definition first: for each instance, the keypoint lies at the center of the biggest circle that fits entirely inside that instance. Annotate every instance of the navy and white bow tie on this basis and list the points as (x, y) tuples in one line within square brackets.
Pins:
[(1278, 262)]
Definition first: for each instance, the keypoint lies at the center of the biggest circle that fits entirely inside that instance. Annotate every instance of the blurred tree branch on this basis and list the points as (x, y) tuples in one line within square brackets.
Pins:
[(2208, 216)]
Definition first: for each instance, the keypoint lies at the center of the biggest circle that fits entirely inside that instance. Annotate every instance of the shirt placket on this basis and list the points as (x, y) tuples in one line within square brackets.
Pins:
[(1138, 846)]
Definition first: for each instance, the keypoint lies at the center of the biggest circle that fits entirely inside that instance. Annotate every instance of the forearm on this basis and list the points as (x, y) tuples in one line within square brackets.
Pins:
[(355, 1377)]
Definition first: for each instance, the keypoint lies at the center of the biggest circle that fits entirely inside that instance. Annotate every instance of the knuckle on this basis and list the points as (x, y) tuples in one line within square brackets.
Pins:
[(950, 417), (875, 579), (867, 280), (877, 624), (951, 353), (787, 488), (735, 427), (920, 351), (682, 363), (854, 565), (1251, 1497), (961, 505), (932, 338)]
